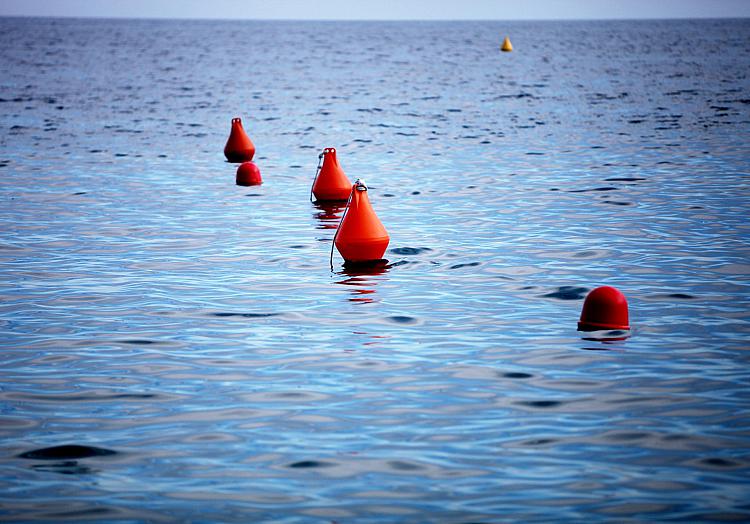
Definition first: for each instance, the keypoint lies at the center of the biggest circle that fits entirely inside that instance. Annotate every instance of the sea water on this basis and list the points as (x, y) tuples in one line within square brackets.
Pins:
[(186, 342)]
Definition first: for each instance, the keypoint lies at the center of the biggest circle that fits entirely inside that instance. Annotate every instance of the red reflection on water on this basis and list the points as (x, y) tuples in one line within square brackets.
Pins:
[(359, 277), (328, 214)]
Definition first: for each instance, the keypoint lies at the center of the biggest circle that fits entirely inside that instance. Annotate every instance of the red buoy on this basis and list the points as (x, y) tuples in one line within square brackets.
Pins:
[(361, 236), (604, 308), (331, 183), (248, 174), (239, 147)]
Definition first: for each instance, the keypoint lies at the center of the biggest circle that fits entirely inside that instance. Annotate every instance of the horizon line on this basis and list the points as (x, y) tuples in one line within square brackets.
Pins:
[(243, 19)]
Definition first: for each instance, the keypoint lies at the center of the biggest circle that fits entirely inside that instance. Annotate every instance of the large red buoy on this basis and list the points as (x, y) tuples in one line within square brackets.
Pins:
[(331, 183), (361, 236), (604, 308), (239, 147), (248, 174)]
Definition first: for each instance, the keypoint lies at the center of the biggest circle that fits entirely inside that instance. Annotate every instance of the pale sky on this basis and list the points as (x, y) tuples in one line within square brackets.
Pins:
[(381, 9)]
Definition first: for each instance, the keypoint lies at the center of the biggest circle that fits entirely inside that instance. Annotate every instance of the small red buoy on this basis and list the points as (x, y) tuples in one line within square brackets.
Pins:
[(331, 183), (248, 174), (604, 308), (361, 236), (239, 147)]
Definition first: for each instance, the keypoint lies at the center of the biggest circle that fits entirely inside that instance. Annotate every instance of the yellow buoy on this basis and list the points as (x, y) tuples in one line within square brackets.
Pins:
[(507, 46)]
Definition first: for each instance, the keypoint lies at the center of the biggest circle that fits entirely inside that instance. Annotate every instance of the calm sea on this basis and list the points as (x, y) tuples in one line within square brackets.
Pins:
[(184, 348)]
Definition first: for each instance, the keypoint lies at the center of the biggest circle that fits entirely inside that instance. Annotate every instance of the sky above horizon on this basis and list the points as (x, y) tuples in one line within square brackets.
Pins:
[(382, 10)]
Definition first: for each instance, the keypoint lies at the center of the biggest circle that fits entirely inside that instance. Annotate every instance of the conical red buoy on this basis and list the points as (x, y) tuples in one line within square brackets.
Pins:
[(361, 236), (248, 174), (239, 147), (331, 183), (604, 308)]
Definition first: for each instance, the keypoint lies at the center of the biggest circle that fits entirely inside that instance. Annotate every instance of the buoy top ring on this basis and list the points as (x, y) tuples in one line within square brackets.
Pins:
[(360, 184)]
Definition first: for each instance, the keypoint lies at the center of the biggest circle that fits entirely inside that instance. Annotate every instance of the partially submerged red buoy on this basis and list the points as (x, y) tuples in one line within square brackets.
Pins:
[(248, 174), (330, 182), (604, 308), (239, 147), (361, 236)]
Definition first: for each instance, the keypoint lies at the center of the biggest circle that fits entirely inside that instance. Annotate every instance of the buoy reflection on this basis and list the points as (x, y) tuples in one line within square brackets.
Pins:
[(328, 214), (362, 279)]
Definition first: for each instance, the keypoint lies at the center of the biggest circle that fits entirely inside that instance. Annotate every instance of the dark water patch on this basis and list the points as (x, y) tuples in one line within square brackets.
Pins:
[(681, 92), (401, 465), (516, 375), (141, 341), (89, 514), (539, 442), (626, 436), (79, 193), (617, 203), (402, 319), (66, 452), (721, 463), (409, 250), (668, 296), (624, 179), (606, 188), (67, 467), (535, 153), (542, 404), (223, 314), (599, 97), (467, 264), (310, 464), (80, 397), (568, 293), (514, 95), (588, 254), (388, 195)]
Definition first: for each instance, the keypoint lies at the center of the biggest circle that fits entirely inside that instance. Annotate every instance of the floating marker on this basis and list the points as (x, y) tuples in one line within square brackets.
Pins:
[(239, 147), (361, 236), (330, 182), (507, 46), (604, 308), (248, 174)]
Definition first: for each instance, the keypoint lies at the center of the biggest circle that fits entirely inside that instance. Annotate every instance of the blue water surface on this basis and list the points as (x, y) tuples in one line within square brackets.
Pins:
[(175, 347)]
